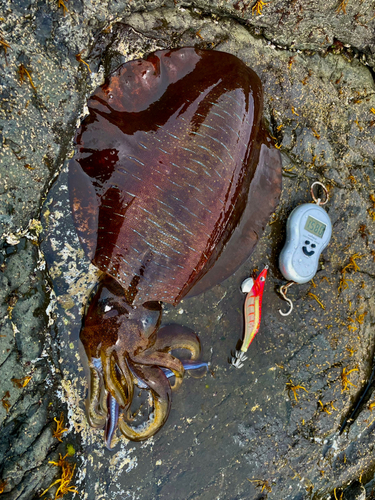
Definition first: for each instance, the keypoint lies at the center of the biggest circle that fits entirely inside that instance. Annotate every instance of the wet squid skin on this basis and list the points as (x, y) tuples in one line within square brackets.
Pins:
[(173, 181), (125, 349), (113, 406)]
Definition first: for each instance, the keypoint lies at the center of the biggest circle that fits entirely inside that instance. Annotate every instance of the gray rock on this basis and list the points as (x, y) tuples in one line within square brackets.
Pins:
[(239, 433), (355, 491)]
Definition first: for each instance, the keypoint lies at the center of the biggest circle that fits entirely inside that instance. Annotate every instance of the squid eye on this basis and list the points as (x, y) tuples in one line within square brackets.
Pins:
[(262, 278), (110, 96)]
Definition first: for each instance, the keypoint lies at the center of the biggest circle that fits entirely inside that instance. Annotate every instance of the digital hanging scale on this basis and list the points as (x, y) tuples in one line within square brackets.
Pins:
[(309, 230)]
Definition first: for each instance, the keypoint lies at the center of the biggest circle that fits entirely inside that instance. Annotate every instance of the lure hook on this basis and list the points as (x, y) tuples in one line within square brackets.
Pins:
[(283, 291)]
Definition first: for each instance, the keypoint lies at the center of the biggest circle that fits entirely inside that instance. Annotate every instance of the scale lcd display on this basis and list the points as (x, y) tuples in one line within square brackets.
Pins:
[(315, 227)]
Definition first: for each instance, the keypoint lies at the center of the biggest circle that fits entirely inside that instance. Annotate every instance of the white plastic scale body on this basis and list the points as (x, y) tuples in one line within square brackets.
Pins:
[(309, 230)]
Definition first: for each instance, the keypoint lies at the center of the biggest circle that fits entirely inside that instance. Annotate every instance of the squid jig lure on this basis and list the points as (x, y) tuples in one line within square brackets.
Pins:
[(252, 314)]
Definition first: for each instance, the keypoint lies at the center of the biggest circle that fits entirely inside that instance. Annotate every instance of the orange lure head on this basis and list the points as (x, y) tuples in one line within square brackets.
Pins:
[(259, 283)]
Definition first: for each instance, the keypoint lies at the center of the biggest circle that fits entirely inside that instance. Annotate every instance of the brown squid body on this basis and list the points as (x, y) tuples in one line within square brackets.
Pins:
[(171, 186)]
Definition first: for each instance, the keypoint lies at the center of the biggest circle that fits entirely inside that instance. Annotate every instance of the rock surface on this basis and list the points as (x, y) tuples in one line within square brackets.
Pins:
[(235, 433)]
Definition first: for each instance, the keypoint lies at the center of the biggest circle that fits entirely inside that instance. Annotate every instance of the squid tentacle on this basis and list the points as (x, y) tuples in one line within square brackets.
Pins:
[(160, 391), (96, 406), (111, 380), (113, 406), (112, 420), (164, 360), (127, 382), (175, 336)]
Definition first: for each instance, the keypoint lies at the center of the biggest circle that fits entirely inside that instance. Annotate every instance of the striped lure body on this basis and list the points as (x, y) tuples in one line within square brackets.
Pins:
[(253, 309)]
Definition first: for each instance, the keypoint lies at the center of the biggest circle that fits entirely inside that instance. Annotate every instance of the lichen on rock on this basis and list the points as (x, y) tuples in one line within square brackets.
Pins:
[(315, 63)]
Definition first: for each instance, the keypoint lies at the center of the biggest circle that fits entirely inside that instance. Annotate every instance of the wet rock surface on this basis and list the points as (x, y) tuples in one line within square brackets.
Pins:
[(248, 433)]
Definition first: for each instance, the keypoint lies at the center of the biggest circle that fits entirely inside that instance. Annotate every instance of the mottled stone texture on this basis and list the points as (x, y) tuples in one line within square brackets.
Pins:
[(233, 425)]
